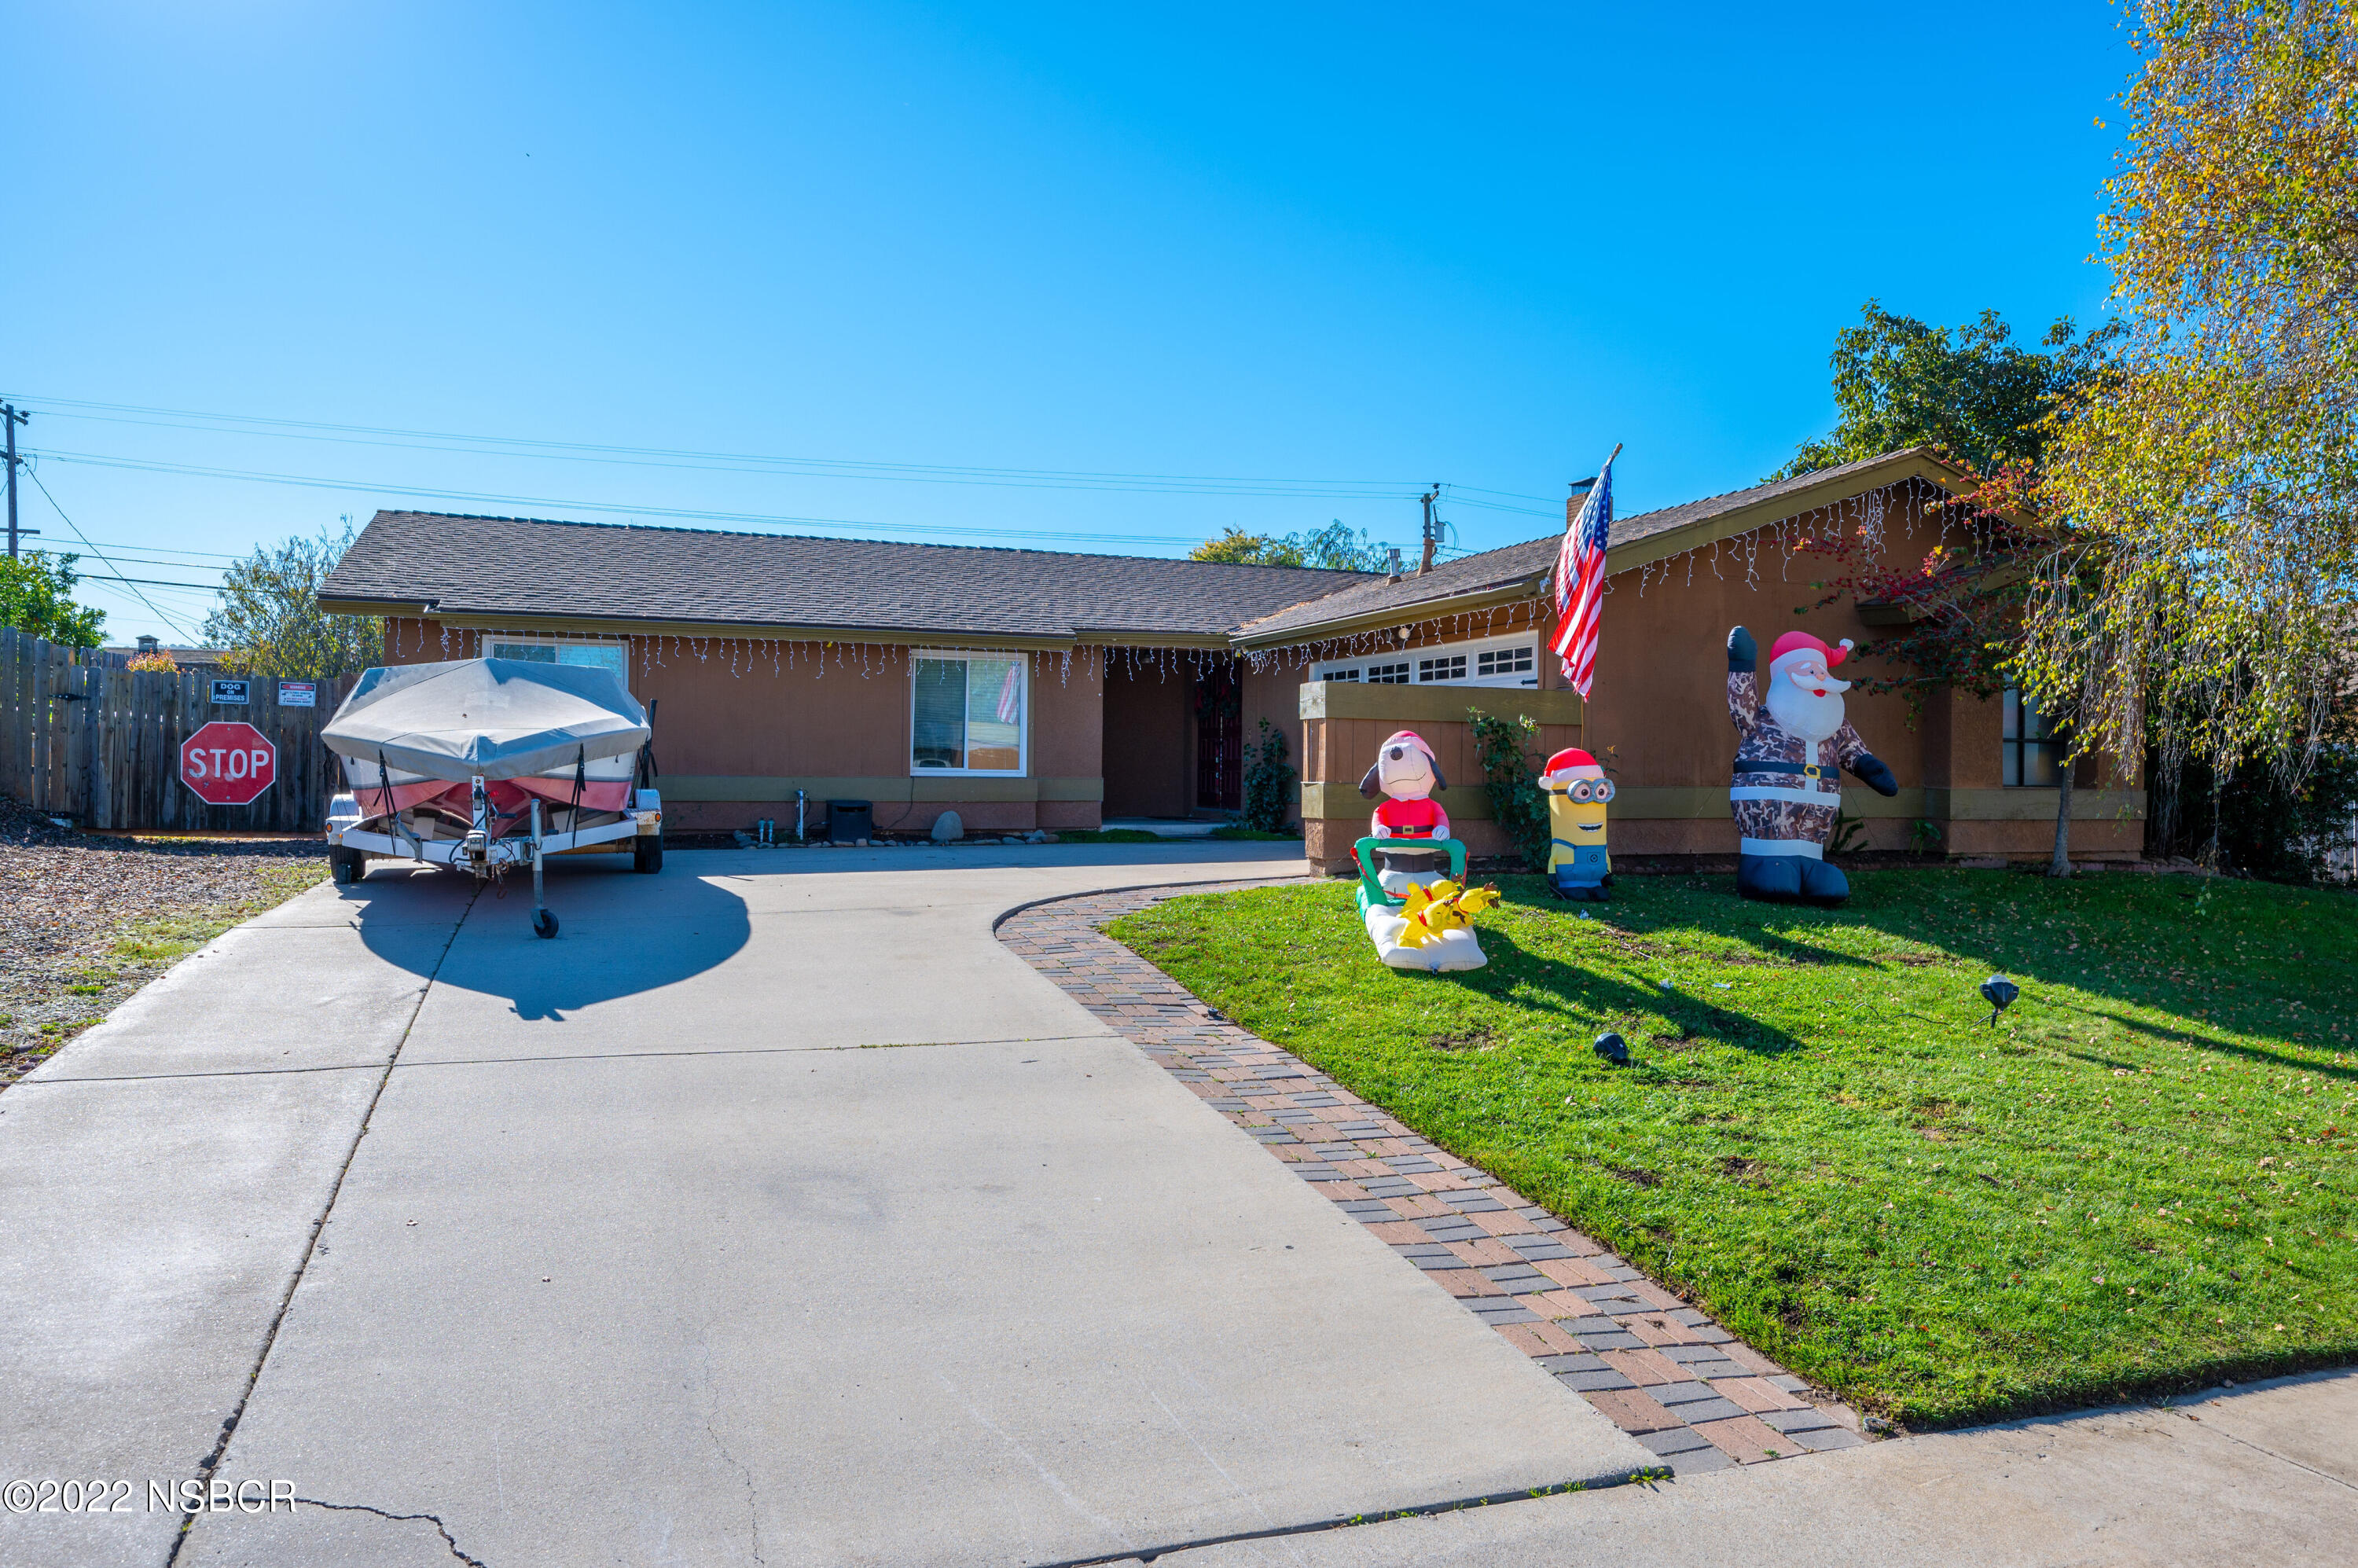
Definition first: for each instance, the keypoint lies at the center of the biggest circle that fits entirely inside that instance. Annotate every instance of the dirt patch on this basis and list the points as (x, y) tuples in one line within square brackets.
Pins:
[(87, 920), (1751, 1172), (1635, 1176), (1474, 1040)]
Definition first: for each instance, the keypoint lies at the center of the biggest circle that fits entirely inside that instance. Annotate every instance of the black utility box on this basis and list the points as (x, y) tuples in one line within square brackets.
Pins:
[(849, 821)]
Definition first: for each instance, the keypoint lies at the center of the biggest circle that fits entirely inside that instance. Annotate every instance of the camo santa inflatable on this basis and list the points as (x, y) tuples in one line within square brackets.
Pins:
[(1793, 742)]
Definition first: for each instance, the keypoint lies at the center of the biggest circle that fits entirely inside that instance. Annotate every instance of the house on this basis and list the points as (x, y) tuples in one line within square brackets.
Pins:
[(1031, 688)]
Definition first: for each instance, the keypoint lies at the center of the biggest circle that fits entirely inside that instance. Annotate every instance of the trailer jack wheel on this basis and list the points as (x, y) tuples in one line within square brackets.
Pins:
[(544, 923)]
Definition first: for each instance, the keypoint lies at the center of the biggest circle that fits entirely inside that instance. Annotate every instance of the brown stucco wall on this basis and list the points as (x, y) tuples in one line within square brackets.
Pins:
[(740, 726), (1658, 719)]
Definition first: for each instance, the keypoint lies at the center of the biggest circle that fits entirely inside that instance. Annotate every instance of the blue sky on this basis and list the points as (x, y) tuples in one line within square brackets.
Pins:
[(1316, 255)]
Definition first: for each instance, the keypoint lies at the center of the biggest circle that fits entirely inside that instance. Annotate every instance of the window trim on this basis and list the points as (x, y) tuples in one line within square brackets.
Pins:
[(533, 640), (1022, 768), (1470, 650)]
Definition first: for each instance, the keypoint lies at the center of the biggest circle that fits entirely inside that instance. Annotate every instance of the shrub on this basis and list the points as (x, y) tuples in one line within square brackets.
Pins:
[(1518, 805), (1269, 780)]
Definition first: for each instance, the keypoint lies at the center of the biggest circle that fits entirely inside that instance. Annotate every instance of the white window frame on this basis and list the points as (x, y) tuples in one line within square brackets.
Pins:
[(1355, 669), (500, 639), (1022, 768)]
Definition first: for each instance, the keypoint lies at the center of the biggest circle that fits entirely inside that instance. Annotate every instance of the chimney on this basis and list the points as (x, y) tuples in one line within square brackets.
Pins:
[(1392, 571)]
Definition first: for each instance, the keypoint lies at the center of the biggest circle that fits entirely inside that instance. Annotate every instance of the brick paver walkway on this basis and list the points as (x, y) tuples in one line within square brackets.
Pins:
[(1661, 1369)]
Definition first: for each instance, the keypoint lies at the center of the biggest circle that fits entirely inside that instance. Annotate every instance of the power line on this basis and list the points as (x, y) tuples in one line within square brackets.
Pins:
[(35, 475), (713, 461), (159, 582), (484, 498)]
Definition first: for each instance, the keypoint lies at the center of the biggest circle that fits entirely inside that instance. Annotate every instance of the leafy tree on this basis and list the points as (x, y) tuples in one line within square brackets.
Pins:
[(1986, 402), (2200, 596), (36, 596), (1969, 390), (270, 620), (1237, 547), (1335, 547)]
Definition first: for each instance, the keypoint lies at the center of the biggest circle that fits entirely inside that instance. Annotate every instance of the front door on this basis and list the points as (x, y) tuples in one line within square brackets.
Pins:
[(1220, 738)]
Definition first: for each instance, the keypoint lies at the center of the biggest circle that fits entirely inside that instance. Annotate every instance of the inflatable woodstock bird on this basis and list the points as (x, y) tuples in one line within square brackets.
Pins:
[(1433, 912)]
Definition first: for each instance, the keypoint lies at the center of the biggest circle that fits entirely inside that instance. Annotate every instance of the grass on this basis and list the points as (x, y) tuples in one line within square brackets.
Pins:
[(2139, 1179), (167, 937), (1107, 836)]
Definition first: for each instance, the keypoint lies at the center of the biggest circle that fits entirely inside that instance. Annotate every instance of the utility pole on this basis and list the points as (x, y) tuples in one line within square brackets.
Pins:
[(1432, 533), (10, 417)]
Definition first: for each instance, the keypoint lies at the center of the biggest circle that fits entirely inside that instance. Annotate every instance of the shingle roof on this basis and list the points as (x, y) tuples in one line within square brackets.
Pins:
[(1519, 568), (486, 568), (518, 570)]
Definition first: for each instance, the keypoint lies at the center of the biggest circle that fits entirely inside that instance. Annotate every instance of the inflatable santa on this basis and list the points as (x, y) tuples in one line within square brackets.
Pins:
[(1793, 744)]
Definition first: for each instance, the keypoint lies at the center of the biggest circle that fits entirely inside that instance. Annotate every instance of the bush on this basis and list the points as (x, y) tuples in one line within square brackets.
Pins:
[(2257, 825), (1518, 805), (1269, 780)]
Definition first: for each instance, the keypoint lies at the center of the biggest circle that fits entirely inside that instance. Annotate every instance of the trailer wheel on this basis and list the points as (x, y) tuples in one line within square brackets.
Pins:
[(348, 866), (544, 923), (647, 854)]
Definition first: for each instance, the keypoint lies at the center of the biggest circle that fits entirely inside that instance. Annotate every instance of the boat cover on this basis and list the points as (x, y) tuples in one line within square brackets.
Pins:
[(502, 718)]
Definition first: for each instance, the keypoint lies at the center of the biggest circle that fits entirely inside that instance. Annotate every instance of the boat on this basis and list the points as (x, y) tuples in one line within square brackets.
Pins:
[(492, 765)]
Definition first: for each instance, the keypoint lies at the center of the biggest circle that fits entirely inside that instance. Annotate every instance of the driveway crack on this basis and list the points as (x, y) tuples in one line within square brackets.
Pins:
[(212, 1461), (435, 1519)]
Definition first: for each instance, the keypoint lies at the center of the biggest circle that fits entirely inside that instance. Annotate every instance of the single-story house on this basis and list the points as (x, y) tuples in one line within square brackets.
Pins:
[(1029, 689)]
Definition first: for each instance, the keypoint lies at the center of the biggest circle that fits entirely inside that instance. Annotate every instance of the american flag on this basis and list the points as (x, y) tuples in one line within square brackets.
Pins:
[(1579, 580)]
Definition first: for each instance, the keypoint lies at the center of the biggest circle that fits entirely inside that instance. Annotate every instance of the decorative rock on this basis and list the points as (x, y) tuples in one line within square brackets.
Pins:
[(1613, 1049), (948, 827), (1037, 836)]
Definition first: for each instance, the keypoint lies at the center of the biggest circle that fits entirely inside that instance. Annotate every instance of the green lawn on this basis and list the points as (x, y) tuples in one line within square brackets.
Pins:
[(2140, 1180)]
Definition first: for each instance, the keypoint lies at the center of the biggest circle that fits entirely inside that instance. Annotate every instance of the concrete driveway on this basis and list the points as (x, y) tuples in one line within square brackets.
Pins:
[(772, 1214)]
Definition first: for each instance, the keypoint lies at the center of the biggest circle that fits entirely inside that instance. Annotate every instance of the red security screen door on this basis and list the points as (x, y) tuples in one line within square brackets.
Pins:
[(1219, 736)]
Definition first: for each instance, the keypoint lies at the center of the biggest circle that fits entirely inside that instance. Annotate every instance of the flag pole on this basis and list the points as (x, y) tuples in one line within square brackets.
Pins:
[(1570, 502)]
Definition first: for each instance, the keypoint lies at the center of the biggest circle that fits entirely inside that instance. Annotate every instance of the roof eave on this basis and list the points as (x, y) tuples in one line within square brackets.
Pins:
[(1489, 596), (1919, 462)]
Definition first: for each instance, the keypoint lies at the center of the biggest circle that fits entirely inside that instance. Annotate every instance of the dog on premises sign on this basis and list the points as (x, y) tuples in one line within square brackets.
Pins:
[(228, 762)]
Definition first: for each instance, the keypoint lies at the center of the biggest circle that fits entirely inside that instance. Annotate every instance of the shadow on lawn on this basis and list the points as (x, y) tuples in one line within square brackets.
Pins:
[(2102, 933), (1571, 989)]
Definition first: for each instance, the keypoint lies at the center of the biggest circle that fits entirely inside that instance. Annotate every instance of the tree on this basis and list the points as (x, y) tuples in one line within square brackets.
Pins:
[(2202, 589), (1968, 390), (1237, 547), (1333, 548), (1986, 403), (36, 596), (270, 621)]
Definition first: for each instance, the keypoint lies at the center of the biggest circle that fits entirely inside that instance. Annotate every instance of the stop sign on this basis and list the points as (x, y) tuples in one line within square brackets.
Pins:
[(228, 763)]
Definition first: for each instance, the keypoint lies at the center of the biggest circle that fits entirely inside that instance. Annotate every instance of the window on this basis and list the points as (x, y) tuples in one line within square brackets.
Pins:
[(614, 657), (1493, 663), (1496, 661), (966, 713), (2028, 745)]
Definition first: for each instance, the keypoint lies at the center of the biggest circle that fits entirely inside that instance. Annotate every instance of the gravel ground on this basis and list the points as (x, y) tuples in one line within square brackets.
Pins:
[(85, 921)]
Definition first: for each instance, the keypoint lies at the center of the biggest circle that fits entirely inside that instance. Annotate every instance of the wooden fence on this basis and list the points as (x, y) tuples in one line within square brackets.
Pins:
[(100, 746)]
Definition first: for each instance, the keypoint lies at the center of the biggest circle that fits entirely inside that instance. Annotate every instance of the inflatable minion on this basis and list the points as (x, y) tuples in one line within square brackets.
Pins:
[(1578, 865)]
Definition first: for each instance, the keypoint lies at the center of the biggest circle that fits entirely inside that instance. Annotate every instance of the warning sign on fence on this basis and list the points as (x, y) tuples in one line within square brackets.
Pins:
[(298, 694), (228, 763)]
